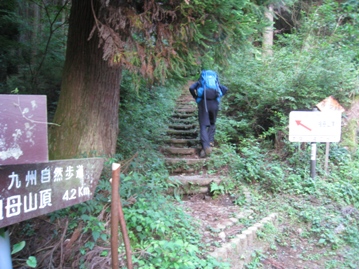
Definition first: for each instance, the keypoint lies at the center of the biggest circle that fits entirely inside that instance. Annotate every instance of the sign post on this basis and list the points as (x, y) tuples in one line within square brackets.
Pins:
[(30, 184), (23, 139), (31, 190), (23, 129), (313, 160), (329, 104), (313, 156), (314, 127), (5, 250)]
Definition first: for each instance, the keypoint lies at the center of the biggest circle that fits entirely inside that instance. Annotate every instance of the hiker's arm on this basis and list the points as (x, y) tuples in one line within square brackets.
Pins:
[(224, 89), (193, 88)]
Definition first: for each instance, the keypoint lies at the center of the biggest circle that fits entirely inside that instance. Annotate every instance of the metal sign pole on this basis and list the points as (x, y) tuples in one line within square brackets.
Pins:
[(309, 126), (327, 145), (313, 160), (313, 156), (5, 250)]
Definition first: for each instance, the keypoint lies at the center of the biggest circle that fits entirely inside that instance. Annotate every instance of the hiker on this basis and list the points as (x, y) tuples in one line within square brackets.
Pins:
[(208, 106)]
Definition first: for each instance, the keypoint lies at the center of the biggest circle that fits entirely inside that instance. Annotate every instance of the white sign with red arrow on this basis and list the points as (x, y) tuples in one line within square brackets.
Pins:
[(314, 126)]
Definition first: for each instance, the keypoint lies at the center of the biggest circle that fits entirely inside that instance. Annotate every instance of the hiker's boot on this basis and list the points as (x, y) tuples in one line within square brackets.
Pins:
[(208, 151), (202, 154)]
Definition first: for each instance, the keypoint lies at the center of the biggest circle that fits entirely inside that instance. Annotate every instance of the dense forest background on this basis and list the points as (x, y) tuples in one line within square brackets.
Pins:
[(314, 54)]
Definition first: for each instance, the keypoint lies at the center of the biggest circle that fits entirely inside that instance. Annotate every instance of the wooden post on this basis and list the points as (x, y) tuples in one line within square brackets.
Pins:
[(115, 202), (125, 236)]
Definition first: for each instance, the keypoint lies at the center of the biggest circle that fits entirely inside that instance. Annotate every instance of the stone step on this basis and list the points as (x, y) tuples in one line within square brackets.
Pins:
[(182, 142), (189, 120), (193, 132), (179, 151), (183, 170), (192, 161), (198, 180), (192, 184), (183, 115), (186, 99), (182, 126), (186, 104), (190, 110), (183, 112)]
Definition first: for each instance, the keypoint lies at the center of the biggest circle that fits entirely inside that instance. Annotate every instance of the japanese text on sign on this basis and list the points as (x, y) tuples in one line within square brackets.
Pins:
[(31, 190), (312, 126)]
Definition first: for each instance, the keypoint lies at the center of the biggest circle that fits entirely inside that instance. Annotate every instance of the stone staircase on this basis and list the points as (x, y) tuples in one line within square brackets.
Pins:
[(182, 149), (220, 220)]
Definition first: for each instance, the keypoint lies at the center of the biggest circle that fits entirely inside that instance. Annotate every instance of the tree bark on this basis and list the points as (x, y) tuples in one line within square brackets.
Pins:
[(35, 32), (87, 110), (268, 32)]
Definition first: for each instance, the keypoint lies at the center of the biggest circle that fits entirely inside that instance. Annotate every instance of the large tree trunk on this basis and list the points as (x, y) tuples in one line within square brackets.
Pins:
[(87, 110)]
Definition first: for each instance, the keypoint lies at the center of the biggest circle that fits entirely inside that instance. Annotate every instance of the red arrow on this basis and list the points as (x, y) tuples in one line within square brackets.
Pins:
[(299, 123)]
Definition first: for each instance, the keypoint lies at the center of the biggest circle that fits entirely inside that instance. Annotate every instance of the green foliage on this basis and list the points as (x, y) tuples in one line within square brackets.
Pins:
[(18, 247), (219, 28), (9, 29), (96, 227), (217, 189), (31, 260), (306, 67), (176, 254), (304, 70), (2, 232), (256, 258), (255, 165), (33, 50), (165, 236), (172, 38), (155, 103), (157, 219), (294, 80)]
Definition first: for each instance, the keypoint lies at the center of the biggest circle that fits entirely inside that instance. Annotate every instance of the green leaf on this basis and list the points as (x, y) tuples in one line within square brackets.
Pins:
[(15, 91), (2, 232), (18, 247), (104, 237), (95, 235), (104, 253), (32, 262)]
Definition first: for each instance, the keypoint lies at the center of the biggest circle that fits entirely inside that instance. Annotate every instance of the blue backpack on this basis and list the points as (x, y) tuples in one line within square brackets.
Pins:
[(209, 86)]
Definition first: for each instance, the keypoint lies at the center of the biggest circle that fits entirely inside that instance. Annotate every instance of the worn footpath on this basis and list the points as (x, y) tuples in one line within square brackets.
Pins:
[(218, 217)]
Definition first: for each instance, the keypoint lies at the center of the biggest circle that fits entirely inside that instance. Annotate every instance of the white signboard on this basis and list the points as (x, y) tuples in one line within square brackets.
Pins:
[(330, 104), (314, 126)]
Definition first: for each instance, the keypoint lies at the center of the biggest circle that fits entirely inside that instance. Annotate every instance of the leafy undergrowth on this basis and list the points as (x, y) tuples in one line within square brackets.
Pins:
[(312, 232), (318, 218), (161, 234)]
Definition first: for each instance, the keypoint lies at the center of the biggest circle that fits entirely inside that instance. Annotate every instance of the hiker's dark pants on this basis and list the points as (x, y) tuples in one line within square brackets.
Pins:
[(207, 121)]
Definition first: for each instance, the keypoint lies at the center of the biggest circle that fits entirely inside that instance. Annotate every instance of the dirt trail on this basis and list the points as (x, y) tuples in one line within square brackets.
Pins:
[(218, 216)]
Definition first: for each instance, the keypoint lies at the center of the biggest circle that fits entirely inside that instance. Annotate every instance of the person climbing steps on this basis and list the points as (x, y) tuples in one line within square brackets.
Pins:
[(207, 92)]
